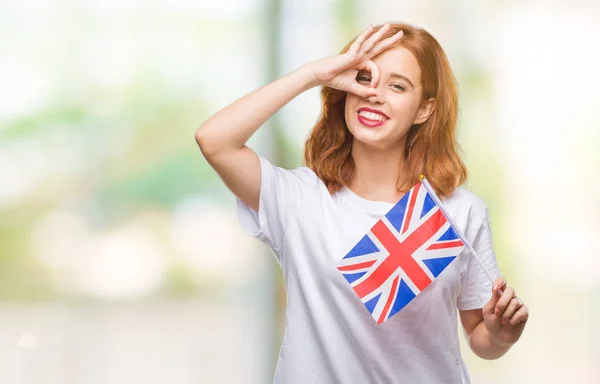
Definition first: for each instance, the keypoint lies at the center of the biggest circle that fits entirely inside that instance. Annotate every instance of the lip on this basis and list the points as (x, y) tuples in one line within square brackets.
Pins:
[(367, 109), (371, 123)]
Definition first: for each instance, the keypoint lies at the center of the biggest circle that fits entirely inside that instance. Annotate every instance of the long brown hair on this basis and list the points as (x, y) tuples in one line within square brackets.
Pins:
[(431, 147)]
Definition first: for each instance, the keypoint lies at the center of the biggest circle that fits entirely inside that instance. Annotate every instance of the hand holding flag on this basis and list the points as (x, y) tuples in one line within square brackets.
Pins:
[(505, 314)]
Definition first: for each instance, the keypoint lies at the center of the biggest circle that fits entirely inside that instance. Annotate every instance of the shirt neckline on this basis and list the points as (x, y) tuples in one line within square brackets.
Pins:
[(370, 206)]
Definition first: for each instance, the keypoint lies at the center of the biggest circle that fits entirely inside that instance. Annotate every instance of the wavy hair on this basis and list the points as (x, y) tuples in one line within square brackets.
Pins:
[(430, 147)]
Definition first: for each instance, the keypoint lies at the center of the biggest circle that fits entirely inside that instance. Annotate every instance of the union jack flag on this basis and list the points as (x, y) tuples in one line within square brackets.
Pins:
[(401, 254)]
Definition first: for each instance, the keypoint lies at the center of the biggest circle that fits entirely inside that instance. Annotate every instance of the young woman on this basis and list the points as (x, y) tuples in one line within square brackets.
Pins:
[(389, 115)]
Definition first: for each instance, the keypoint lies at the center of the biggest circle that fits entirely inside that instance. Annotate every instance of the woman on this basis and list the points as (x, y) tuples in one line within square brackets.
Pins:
[(389, 115)]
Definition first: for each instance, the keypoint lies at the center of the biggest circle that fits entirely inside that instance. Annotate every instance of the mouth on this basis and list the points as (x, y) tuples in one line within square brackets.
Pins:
[(371, 118)]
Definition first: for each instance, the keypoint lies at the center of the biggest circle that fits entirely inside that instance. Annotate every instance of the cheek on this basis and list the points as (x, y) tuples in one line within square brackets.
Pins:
[(405, 107), (351, 104)]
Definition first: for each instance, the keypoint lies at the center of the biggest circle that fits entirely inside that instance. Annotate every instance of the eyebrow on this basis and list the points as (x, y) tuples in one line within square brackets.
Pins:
[(397, 75)]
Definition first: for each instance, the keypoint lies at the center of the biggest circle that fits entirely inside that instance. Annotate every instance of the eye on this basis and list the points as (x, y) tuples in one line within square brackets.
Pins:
[(399, 87), (360, 78)]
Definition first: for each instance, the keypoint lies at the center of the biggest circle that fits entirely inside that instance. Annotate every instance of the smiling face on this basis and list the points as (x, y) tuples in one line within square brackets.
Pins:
[(383, 121)]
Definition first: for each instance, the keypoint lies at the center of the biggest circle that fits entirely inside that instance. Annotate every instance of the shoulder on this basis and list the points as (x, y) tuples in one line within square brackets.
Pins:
[(464, 197), (299, 177), (466, 206), (305, 175)]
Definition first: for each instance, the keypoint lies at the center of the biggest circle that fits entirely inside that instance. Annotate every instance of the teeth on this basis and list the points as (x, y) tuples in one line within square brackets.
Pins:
[(371, 116)]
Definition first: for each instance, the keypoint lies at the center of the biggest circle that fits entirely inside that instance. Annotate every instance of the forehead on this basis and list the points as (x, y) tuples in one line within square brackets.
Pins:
[(399, 60)]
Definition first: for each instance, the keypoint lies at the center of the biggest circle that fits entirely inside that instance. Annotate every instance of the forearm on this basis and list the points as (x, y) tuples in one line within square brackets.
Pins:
[(484, 345), (231, 127)]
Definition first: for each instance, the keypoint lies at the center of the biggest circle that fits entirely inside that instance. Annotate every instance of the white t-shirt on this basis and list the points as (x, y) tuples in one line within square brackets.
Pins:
[(330, 337)]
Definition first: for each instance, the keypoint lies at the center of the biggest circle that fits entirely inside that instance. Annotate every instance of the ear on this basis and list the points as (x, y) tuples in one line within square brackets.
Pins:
[(425, 111)]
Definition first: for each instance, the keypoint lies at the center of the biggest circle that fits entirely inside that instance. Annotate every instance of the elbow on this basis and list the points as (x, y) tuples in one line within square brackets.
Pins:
[(199, 137), (209, 144), (212, 141), (202, 141)]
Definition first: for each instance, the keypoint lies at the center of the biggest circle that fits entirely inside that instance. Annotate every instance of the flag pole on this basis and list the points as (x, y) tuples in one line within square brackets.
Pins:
[(456, 227)]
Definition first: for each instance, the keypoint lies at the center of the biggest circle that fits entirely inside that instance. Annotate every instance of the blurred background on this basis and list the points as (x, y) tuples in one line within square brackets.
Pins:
[(121, 257)]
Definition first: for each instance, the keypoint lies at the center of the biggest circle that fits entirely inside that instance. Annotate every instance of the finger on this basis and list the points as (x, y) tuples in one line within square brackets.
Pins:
[(499, 284), (510, 310), (385, 44), (502, 303), (362, 37), (521, 316), (362, 90), (490, 307), (496, 291), (375, 74), (371, 41)]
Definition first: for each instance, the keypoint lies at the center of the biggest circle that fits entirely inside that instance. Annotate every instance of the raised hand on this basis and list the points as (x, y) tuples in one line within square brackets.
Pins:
[(340, 71)]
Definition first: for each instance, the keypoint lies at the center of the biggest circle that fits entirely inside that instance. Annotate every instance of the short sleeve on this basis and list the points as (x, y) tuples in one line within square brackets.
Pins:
[(279, 200), (476, 287)]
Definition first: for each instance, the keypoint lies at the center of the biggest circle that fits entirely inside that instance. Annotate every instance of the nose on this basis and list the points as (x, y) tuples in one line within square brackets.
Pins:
[(376, 99), (377, 96)]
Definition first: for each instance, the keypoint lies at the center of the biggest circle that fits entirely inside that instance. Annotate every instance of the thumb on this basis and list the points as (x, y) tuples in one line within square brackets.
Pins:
[(497, 287), (374, 70)]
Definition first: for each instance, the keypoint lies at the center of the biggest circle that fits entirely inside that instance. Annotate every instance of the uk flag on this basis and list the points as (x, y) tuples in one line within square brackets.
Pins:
[(401, 254)]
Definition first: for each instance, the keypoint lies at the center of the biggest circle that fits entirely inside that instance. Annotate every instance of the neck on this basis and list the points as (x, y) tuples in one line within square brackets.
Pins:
[(377, 172)]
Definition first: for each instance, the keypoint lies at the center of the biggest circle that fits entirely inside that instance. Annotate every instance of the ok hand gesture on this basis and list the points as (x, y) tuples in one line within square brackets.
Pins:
[(340, 71)]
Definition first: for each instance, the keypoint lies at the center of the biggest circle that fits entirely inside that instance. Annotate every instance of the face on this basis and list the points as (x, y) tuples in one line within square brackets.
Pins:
[(383, 121)]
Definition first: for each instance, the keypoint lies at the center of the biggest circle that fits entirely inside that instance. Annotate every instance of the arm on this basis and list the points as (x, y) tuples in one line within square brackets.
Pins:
[(222, 138), (495, 328), (230, 128)]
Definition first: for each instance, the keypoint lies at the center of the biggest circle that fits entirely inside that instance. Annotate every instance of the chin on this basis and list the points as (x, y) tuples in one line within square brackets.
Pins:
[(369, 139), (373, 138)]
